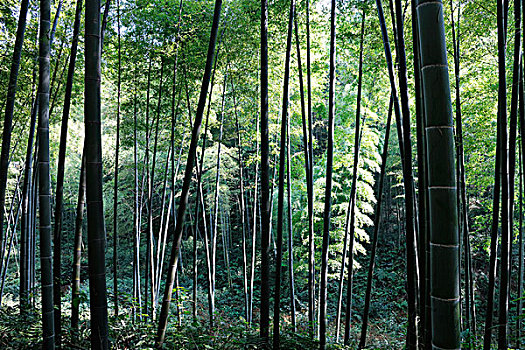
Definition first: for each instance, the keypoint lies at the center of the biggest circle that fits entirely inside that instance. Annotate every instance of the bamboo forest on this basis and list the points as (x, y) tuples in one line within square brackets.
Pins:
[(271, 174)]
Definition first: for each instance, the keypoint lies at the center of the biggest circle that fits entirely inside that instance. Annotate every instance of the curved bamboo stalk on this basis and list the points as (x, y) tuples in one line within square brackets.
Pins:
[(163, 318)]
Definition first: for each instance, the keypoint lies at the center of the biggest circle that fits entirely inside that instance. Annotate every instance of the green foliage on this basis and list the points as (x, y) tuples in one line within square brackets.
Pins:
[(149, 35), (18, 333)]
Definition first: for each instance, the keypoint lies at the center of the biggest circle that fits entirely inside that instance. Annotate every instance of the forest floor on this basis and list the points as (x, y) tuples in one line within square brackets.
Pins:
[(386, 329), (18, 333)]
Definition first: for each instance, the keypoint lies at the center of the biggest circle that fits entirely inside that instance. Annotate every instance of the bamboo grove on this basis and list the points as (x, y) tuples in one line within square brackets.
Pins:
[(278, 174)]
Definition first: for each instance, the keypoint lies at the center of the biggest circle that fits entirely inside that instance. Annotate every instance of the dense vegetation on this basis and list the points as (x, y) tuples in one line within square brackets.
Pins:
[(242, 174)]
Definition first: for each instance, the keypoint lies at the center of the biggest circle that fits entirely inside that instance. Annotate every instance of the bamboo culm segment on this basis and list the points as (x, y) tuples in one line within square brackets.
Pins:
[(48, 329), (96, 230), (444, 235)]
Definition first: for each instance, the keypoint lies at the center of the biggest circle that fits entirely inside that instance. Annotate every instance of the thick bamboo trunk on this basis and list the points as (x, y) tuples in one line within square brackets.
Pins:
[(95, 210), (48, 331), (444, 237)]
